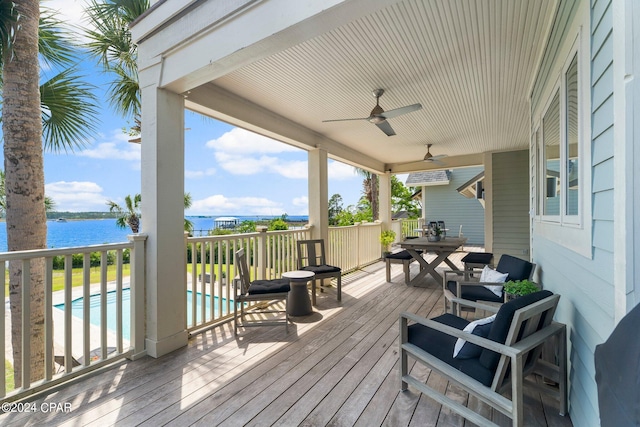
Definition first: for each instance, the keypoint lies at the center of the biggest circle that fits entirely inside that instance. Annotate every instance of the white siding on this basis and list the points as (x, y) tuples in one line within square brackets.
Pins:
[(444, 203), (586, 284)]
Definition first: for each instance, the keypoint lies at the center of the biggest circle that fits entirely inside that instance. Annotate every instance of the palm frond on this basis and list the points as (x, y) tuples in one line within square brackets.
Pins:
[(69, 111), (124, 92), (8, 24), (55, 40)]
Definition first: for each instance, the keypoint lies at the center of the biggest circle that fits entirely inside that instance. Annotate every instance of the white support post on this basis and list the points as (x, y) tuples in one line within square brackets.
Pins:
[(318, 194), (262, 252), (163, 216), (384, 185)]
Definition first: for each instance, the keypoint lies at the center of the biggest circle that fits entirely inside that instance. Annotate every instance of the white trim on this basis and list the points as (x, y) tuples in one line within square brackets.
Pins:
[(563, 229), (626, 31)]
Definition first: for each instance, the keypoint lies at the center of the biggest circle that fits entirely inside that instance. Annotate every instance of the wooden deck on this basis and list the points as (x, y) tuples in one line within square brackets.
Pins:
[(337, 367)]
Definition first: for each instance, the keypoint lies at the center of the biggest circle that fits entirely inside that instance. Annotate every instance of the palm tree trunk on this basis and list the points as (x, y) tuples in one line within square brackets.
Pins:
[(23, 163), (375, 197)]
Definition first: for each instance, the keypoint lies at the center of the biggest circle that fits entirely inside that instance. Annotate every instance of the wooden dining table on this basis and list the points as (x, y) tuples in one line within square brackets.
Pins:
[(442, 249)]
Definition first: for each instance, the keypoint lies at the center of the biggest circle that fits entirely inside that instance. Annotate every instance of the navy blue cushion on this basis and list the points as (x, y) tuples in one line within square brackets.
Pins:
[(399, 255), (322, 269), (474, 293), (489, 359), (478, 257), (518, 269), (470, 350), (269, 286), (441, 346)]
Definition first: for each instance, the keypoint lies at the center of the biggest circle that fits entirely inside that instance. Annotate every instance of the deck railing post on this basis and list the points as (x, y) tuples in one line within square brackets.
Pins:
[(138, 315), (262, 252), (358, 246)]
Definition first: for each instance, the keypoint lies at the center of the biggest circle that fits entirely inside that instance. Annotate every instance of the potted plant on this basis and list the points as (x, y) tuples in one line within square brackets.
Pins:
[(434, 234), (387, 237), (519, 288)]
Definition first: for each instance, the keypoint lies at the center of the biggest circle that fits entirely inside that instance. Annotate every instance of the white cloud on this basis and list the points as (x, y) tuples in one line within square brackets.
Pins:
[(240, 141), (241, 152), (219, 205), (76, 196), (301, 201), (340, 171), (199, 174), (115, 147), (72, 13)]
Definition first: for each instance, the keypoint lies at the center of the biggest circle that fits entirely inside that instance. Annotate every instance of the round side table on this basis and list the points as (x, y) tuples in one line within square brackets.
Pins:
[(299, 303)]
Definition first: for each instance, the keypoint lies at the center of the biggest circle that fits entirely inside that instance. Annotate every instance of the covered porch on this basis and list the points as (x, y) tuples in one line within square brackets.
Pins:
[(338, 366)]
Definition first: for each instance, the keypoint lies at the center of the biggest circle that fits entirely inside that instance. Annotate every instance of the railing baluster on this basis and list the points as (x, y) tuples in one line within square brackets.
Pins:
[(103, 305), (119, 329), (203, 283), (212, 281), (68, 271), (86, 308), (194, 296), (48, 318), (3, 283), (26, 323)]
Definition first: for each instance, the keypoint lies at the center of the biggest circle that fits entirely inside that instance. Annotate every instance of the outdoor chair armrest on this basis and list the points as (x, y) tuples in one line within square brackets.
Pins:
[(493, 308)]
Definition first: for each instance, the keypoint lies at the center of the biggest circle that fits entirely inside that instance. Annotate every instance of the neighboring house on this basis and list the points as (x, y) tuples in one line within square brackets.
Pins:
[(446, 197), (543, 94)]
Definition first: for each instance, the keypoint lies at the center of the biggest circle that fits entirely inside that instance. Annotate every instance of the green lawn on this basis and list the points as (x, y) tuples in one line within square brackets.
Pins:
[(8, 371)]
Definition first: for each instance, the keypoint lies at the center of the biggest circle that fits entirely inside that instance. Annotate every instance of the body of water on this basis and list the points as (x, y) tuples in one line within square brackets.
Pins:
[(98, 231)]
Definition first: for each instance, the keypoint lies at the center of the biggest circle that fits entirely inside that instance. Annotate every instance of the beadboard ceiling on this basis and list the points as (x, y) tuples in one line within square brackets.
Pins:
[(470, 63)]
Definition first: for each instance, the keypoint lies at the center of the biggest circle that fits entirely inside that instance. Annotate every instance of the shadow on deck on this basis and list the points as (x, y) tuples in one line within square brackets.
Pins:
[(338, 366)]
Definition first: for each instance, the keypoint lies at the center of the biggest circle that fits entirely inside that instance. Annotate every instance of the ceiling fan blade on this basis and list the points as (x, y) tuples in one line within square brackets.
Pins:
[(437, 162), (345, 120), (438, 157), (400, 111), (385, 127)]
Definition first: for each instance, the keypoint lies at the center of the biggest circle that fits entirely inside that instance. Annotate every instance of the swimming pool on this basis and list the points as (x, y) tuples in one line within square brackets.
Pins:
[(94, 309)]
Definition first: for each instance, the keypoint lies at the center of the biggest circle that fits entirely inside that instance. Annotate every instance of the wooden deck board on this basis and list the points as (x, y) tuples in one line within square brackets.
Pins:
[(337, 367)]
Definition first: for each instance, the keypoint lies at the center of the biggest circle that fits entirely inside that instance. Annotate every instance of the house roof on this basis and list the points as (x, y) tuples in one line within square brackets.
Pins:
[(428, 178)]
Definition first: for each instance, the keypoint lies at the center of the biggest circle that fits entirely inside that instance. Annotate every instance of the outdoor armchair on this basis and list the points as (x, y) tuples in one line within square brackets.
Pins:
[(255, 291), (497, 360), (466, 286)]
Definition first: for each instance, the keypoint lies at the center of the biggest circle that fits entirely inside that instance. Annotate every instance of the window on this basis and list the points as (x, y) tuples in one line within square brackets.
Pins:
[(559, 187)]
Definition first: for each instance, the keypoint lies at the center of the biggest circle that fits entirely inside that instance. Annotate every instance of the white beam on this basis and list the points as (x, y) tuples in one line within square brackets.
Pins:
[(212, 101), (210, 39)]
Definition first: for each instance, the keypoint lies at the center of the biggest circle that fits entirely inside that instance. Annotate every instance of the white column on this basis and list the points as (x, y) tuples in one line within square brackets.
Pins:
[(163, 218), (384, 200), (318, 194)]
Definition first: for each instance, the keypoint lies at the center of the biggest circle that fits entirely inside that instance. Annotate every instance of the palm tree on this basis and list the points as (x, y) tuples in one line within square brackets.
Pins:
[(370, 190), (66, 116), (129, 215), (49, 203), (110, 43)]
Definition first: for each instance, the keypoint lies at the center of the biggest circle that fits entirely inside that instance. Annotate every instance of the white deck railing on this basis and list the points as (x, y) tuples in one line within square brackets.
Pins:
[(211, 301), (67, 337)]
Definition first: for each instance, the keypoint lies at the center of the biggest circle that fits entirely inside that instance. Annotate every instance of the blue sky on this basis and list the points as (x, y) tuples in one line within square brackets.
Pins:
[(227, 170)]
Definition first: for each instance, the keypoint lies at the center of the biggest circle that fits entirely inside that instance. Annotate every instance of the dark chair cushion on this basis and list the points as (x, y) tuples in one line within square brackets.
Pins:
[(322, 269), (399, 255), (489, 359), (478, 257), (441, 346), (474, 293), (517, 268), (269, 286)]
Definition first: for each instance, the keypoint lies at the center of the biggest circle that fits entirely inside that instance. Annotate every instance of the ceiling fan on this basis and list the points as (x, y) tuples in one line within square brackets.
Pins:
[(431, 158), (379, 117)]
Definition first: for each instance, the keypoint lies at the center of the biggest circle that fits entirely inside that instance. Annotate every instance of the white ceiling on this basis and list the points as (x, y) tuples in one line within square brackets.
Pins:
[(471, 65)]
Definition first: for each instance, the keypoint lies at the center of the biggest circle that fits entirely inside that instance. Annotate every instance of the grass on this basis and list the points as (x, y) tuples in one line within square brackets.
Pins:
[(8, 372), (77, 275)]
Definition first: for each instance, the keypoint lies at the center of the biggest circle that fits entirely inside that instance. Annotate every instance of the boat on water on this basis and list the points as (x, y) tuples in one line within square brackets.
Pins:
[(61, 220)]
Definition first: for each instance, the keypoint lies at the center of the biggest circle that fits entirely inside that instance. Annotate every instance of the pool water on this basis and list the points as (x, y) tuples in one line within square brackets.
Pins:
[(94, 309)]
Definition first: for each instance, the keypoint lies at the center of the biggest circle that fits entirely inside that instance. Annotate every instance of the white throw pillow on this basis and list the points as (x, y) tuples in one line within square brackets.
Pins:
[(472, 350), (493, 276)]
